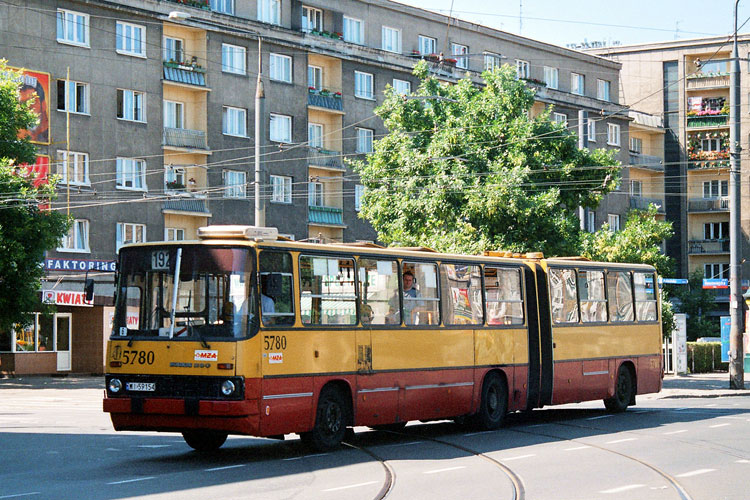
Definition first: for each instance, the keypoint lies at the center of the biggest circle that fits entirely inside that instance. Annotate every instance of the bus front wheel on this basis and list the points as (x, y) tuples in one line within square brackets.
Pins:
[(494, 404), (331, 419), (623, 392), (203, 440)]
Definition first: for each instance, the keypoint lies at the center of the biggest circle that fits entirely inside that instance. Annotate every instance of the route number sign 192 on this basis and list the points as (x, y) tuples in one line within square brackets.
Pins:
[(160, 260)]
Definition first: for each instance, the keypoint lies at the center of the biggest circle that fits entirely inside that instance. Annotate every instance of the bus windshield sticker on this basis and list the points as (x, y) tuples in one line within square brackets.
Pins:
[(160, 260), (275, 357), (430, 279), (385, 268), (206, 356), (320, 267), (333, 267)]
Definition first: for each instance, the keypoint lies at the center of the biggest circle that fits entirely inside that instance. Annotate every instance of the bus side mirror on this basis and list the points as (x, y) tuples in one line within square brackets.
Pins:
[(88, 290)]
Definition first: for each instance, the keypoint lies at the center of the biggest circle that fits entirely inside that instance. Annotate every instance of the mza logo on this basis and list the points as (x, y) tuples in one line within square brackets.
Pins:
[(206, 355), (275, 357)]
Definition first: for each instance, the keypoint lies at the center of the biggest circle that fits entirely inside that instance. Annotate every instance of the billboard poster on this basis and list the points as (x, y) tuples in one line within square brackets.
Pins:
[(36, 84)]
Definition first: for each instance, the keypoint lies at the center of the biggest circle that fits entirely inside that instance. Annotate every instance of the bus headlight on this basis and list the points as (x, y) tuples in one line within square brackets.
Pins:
[(227, 387), (115, 385)]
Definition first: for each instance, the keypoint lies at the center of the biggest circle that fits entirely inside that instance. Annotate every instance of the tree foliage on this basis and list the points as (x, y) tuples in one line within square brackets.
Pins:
[(697, 302), (26, 231), (464, 169)]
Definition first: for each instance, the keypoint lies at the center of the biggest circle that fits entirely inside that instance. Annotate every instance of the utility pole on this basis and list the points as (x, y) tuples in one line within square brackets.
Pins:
[(736, 354), (260, 103)]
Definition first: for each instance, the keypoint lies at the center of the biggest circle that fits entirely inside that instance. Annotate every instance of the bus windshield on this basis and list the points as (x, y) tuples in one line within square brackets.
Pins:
[(216, 293)]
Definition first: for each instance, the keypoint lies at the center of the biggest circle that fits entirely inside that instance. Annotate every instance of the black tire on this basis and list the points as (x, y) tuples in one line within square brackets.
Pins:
[(623, 392), (494, 404), (203, 440), (394, 427), (331, 418)]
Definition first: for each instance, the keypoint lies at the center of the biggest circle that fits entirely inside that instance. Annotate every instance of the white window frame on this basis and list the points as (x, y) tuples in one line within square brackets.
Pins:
[(592, 130), (233, 59), (315, 194), (401, 87), (460, 53), (281, 189), (125, 229), (491, 61), (280, 68), (174, 114), (721, 267), (560, 118), (613, 134), (315, 135), (72, 100), (174, 174), (359, 191), (235, 184), (636, 188), (636, 145), (523, 69), (131, 104), (354, 35), (577, 84), (365, 138), (715, 189), (711, 144), (79, 226), (174, 234), (314, 77), (269, 11), (363, 85), (173, 49), (131, 174), (312, 19), (391, 39), (68, 162), (614, 222), (127, 43), (223, 6), (552, 77), (234, 121), (280, 128), (603, 89), (427, 45), (66, 21)]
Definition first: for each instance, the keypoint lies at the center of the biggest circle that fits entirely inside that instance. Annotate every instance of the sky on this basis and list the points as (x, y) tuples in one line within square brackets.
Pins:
[(562, 22)]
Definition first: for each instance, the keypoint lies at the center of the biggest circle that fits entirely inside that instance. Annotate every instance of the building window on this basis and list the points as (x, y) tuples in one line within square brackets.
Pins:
[(522, 69), (576, 84), (130, 233), (592, 130), (75, 165), (614, 222), (602, 90), (364, 140), (636, 188), (315, 77), (280, 129), (223, 6), (174, 234), (174, 114), (561, 118), (280, 68), (235, 184), (233, 59), (354, 31), (359, 191), (715, 189), (72, 27), (402, 87), (391, 40), (459, 50), (315, 194), (73, 96), (131, 174), (363, 85), (315, 135), (174, 49), (636, 145), (77, 239), (710, 144), (312, 19), (282, 189), (716, 271), (716, 230), (427, 45), (613, 134), (269, 11), (591, 221), (131, 105), (174, 178), (234, 121), (492, 61), (551, 77), (131, 39)]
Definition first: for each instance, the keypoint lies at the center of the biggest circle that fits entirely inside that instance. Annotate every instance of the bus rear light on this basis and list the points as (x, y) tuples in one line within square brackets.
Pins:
[(115, 364), (225, 366)]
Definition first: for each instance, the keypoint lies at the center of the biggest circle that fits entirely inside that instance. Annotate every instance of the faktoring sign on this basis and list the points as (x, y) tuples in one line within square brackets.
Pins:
[(79, 265)]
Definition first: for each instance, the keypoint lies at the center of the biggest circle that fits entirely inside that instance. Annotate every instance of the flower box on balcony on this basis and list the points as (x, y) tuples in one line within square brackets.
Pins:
[(187, 66), (175, 185), (328, 34), (199, 4), (706, 120), (534, 81)]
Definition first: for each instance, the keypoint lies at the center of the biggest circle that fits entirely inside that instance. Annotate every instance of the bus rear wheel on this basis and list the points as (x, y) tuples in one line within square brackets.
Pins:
[(494, 404), (623, 392), (331, 418), (203, 440)]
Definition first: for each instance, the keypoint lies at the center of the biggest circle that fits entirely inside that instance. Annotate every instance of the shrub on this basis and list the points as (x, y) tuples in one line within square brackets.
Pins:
[(705, 357)]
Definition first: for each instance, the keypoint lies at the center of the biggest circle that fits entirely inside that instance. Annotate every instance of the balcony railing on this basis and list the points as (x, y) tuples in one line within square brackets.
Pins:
[(185, 138), (708, 205), (325, 215), (646, 161), (330, 101), (184, 73), (707, 81), (707, 121), (192, 205), (643, 203), (324, 158), (708, 246), (697, 165)]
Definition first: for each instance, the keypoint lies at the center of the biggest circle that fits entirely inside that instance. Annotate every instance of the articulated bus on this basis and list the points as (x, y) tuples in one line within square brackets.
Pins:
[(242, 332)]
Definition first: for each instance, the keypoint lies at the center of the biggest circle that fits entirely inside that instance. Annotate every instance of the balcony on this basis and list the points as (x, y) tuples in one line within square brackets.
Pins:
[(646, 161), (326, 216), (639, 203), (193, 206), (325, 100), (708, 205), (184, 73), (185, 138), (714, 247), (198, 4), (706, 164), (324, 158), (711, 81), (707, 121)]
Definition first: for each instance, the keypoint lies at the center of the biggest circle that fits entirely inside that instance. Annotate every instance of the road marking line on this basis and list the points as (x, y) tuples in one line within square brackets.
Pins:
[(695, 472), (710, 406), (517, 457), (538, 425), (113, 449), (675, 432), (133, 480), (22, 494), (224, 468), (153, 446), (577, 448), (597, 418), (351, 486), (620, 440), (444, 470), (483, 432), (410, 443), (307, 456), (717, 425), (624, 488), (730, 417), (742, 461)]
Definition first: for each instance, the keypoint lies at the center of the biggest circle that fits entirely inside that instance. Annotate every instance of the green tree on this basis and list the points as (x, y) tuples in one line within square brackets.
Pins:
[(26, 231), (463, 169), (697, 302)]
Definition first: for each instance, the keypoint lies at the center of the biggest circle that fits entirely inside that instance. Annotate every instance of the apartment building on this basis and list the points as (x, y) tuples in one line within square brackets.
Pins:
[(149, 122), (687, 83)]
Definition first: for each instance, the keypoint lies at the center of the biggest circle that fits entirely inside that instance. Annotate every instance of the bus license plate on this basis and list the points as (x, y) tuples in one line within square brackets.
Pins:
[(141, 386)]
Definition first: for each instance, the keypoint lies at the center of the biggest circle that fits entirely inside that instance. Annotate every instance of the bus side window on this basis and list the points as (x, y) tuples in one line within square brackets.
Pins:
[(563, 297), (504, 301), (462, 294), (277, 288), (645, 297), (593, 299), (620, 292), (378, 286), (327, 291), (422, 298)]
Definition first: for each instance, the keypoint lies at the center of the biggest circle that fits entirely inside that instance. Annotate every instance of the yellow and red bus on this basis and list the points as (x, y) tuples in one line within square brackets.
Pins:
[(242, 332)]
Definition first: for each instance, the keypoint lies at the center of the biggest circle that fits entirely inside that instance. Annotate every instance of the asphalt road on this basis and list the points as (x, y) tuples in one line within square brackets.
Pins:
[(690, 442)]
